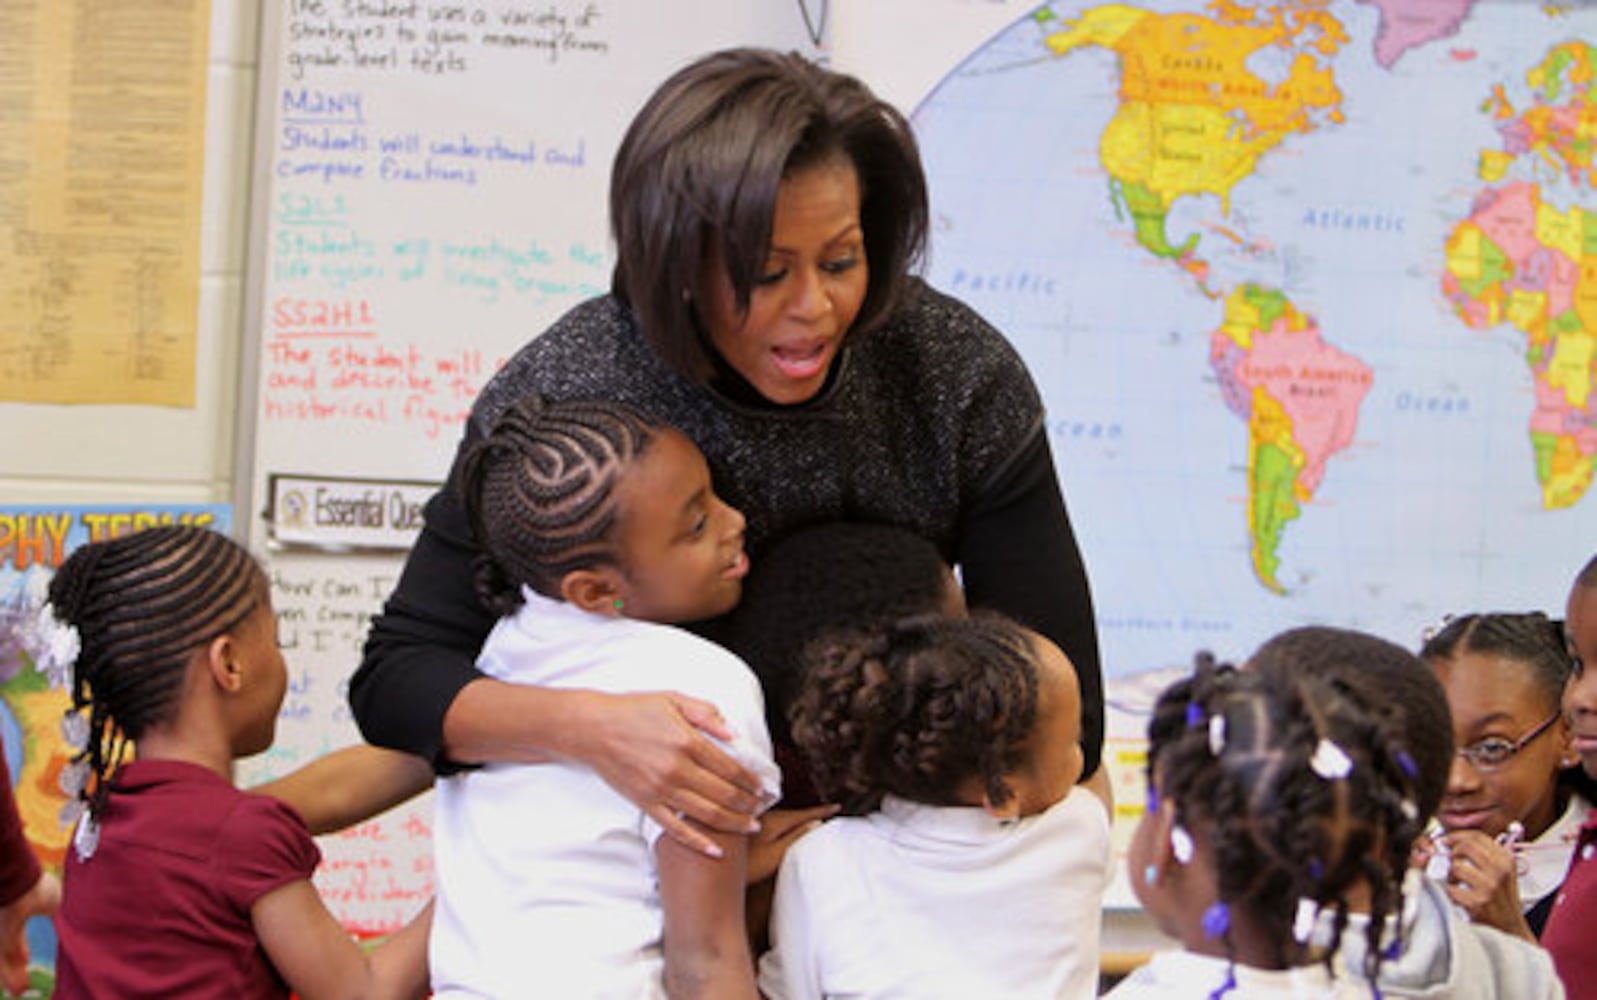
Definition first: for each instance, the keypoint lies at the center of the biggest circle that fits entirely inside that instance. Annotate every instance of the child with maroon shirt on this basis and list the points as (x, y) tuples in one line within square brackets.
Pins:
[(1567, 935), (26, 890), (177, 883)]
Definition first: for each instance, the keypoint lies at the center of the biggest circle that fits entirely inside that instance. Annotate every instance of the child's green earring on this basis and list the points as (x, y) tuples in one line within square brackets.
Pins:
[(620, 605)]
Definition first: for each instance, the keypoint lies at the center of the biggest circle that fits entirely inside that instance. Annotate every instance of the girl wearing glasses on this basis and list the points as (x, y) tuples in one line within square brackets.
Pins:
[(1511, 812)]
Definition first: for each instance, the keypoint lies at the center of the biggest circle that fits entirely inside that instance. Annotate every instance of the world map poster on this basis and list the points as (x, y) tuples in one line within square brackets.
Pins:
[(1309, 289)]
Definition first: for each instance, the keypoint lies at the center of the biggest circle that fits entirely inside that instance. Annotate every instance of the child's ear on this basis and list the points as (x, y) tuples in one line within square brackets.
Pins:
[(1567, 755), (1009, 810), (221, 660), (1162, 847), (594, 590)]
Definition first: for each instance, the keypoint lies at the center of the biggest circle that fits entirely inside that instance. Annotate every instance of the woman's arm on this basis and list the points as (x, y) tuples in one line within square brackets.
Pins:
[(320, 961), (349, 786), (706, 941), (418, 690), (1018, 555)]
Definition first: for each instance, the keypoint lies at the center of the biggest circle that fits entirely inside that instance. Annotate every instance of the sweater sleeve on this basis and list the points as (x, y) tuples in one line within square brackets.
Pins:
[(1018, 555), (422, 648), (19, 868)]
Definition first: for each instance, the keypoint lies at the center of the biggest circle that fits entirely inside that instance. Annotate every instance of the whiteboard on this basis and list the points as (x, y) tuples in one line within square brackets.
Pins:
[(430, 193)]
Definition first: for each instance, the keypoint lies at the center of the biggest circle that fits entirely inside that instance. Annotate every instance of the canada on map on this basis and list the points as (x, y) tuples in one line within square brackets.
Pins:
[(1310, 291)]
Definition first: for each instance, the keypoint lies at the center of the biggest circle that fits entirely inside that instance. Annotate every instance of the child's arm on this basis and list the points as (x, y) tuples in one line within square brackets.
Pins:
[(350, 785), (320, 961), (706, 942)]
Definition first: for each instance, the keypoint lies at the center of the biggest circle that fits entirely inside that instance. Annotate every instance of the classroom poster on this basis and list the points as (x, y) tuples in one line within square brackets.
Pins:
[(102, 136)]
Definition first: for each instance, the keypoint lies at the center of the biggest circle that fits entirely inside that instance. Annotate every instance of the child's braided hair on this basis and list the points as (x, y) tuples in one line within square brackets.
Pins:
[(143, 604), (1302, 793)]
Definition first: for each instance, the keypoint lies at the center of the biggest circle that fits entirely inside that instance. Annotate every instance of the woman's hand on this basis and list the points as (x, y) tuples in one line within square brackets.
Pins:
[(650, 748), (1482, 880)]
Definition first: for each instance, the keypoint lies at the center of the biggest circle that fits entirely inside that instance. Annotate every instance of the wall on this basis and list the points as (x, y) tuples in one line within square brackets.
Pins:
[(143, 453)]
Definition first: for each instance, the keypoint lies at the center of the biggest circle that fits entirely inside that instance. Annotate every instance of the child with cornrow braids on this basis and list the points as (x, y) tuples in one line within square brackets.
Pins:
[(177, 884), (1274, 801), (1516, 796), (975, 862), (600, 529)]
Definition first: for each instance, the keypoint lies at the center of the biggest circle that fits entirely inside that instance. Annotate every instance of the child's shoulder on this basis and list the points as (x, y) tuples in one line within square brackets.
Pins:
[(676, 652)]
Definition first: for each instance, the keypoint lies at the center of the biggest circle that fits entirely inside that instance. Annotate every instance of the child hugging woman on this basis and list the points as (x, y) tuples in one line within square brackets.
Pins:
[(977, 863), (1272, 799), (600, 527)]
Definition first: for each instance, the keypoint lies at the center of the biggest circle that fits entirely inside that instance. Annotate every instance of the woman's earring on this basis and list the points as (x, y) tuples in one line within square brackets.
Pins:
[(1150, 875)]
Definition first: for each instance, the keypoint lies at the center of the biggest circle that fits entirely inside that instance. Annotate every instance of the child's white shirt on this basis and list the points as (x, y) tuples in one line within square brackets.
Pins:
[(931, 902), (546, 877), (1183, 974)]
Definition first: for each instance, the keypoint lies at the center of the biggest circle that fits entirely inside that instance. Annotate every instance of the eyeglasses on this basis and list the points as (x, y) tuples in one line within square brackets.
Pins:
[(1494, 751)]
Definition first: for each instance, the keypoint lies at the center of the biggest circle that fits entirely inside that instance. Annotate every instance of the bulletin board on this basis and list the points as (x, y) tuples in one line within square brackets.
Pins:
[(430, 194)]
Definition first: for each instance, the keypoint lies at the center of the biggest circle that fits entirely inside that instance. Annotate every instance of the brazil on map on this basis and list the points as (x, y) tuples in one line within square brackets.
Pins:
[(1310, 291)]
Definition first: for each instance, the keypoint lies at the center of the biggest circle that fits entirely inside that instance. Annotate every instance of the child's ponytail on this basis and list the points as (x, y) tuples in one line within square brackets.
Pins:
[(917, 709)]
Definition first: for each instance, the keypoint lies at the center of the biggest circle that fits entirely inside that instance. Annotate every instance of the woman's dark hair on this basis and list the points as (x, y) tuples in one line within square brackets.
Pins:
[(539, 493), (1300, 792), (1530, 638), (824, 577), (143, 604), (1382, 678), (917, 709), (696, 179)]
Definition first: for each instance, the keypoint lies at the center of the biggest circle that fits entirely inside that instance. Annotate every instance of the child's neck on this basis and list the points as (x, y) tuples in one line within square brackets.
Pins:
[(180, 743), (1249, 945)]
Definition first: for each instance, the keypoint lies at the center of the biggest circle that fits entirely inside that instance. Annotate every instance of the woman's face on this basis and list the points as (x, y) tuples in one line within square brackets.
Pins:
[(1492, 697), (804, 302)]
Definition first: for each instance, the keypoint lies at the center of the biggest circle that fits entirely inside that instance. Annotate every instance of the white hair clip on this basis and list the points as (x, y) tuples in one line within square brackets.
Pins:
[(87, 838), (75, 778), (74, 728), (1303, 923), (1330, 761), (1216, 734), (53, 645), (1181, 844)]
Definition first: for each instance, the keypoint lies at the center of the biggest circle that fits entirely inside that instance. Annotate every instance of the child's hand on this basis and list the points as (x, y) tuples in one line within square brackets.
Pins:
[(779, 829), (1482, 880), (40, 901)]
